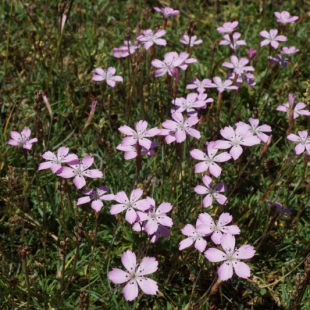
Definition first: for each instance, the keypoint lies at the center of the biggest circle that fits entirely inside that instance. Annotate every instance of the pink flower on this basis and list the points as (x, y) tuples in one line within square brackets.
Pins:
[(272, 38), (232, 40), (231, 258), (166, 12), (252, 53), (95, 196), (200, 85), (172, 61), (289, 50), (125, 50), (155, 217), (139, 136), (211, 192), (148, 38), (220, 85), (218, 229), (241, 136), (279, 208), (130, 151), (107, 75), (248, 78), (193, 236), (22, 139), (298, 109), (303, 142), (79, 170), (130, 204), (279, 60), (191, 41), (193, 101), (54, 161), (209, 160), (177, 130), (135, 276), (285, 17), (258, 130), (239, 65), (228, 27)]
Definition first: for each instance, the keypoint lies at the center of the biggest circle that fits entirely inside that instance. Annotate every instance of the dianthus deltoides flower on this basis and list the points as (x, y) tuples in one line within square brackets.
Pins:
[(303, 142), (135, 276), (235, 138), (207, 226), (177, 130), (22, 139), (209, 159), (138, 136), (79, 170), (171, 63), (131, 205), (54, 161), (95, 196), (106, 75), (231, 258)]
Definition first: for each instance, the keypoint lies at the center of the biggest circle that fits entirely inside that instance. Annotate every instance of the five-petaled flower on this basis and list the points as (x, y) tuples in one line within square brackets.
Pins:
[(193, 236), (135, 275), (211, 192), (289, 106), (54, 161), (257, 130), (79, 170), (166, 12), (149, 38), (106, 75), (130, 204), (139, 136), (232, 40), (238, 65), (209, 159), (221, 85), (22, 139), (241, 136), (171, 63), (207, 226), (177, 130), (95, 196), (189, 40), (191, 102), (272, 38), (155, 217), (231, 258), (199, 85), (285, 17), (228, 27), (279, 60), (289, 50), (303, 142)]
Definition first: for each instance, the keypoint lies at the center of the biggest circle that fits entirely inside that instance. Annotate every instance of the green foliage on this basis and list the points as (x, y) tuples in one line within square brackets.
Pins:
[(55, 254)]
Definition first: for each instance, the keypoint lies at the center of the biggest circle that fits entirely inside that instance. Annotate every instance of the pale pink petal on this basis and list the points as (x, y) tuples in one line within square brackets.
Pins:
[(130, 290), (129, 260), (225, 271), (148, 286), (97, 205), (79, 181), (148, 265), (118, 208), (185, 243), (217, 237), (236, 151), (131, 215), (245, 252), (151, 226), (45, 165), (242, 270), (83, 200), (200, 244), (118, 276), (215, 255)]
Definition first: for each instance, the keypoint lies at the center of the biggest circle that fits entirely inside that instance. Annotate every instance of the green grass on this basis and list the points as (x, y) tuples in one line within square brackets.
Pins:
[(38, 209)]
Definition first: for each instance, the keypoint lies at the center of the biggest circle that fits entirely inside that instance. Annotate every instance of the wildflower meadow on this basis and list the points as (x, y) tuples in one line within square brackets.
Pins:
[(155, 155)]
